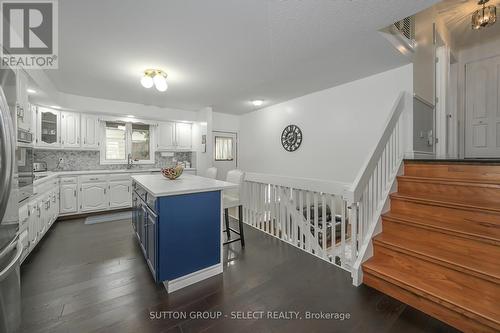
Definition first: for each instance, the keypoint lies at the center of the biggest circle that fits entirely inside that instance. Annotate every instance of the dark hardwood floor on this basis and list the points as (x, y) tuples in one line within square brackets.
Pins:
[(93, 278)]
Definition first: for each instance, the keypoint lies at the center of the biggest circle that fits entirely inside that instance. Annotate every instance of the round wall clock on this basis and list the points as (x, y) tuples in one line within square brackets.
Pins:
[(291, 138)]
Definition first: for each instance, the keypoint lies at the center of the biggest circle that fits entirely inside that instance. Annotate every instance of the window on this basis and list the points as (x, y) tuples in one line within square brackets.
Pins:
[(123, 140), (223, 148), (115, 141), (141, 148)]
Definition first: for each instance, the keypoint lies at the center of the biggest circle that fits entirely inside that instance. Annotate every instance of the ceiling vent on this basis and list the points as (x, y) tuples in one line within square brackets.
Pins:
[(407, 28), (402, 35)]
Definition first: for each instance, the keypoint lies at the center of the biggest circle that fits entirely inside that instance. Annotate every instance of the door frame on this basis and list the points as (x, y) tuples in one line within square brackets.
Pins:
[(214, 134)]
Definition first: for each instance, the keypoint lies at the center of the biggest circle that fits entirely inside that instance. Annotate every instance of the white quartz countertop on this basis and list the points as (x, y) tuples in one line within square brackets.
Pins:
[(54, 174), (159, 186)]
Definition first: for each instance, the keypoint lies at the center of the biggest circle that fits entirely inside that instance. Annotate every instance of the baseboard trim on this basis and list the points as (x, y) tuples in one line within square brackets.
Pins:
[(193, 278)]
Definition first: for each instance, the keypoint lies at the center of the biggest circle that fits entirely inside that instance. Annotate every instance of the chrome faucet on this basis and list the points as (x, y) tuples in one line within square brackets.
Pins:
[(130, 161)]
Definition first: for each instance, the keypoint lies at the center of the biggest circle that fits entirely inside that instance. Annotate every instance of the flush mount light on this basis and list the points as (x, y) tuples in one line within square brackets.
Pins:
[(485, 16), (257, 102), (31, 91), (55, 106), (155, 77)]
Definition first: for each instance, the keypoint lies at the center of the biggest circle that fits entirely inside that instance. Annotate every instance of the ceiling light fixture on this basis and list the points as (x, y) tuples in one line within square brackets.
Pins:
[(257, 102), (55, 106), (155, 77), (31, 91), (485, 16)]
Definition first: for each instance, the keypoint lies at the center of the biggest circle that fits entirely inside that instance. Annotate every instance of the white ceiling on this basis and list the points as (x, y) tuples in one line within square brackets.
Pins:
[(222, 53), (457, 15)]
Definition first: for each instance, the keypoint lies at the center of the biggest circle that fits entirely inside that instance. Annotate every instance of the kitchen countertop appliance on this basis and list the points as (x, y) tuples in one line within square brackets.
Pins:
[(10, 247)]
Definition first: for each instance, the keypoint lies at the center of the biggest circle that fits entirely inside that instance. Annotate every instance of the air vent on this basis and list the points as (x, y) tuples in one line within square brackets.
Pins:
[(407, 27)]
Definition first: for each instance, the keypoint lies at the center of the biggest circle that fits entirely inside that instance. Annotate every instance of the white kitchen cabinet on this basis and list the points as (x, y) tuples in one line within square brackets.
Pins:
[(90, 131), (69, 198), (120, 194), (166, 136), (70, 130), (48, 128), (23, 108), (183, 135), (174, 136), (33, 225), (94, 196)]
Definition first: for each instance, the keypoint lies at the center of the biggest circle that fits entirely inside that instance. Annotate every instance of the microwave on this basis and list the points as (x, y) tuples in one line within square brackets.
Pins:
[(24, 136)]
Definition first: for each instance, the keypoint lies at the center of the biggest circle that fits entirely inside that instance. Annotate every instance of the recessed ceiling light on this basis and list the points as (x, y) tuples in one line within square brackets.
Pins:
[(257, 102), (31, 91)]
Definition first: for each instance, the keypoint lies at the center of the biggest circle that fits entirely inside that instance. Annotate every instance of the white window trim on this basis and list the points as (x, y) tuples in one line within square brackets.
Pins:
[(128, 146)]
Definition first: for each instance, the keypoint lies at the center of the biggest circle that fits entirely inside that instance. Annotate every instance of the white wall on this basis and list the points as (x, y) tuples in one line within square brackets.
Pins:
[(340, 126), (226, 122), (465, 56)]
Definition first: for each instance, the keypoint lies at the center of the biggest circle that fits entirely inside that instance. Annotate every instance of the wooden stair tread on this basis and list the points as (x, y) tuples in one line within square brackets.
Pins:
[(475, 298), (481, 228), (453, 170), (448, 201), (463, 181), (472, 257)]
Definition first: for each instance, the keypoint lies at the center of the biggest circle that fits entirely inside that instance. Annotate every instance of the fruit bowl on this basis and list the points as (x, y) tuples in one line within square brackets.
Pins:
[(172, 173)]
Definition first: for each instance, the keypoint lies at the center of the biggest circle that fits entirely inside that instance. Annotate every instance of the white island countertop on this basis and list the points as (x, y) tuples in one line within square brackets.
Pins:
[(159, 186)]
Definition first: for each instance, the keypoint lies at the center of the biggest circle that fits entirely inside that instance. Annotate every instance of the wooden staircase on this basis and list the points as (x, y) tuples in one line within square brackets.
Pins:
[(439, 250)]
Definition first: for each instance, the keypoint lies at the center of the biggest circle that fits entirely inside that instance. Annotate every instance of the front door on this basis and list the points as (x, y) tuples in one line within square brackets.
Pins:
[(482, 113), (225, 153)]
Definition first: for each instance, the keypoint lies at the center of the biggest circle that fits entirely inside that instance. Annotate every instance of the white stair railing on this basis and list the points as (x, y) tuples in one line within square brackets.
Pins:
[(306, 213), (368, 195), (331, 220)]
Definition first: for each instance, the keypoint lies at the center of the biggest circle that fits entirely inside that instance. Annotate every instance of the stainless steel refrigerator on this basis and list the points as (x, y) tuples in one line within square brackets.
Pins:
[(10, 248)]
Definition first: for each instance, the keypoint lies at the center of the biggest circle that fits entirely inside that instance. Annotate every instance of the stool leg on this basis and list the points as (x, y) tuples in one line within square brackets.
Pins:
[(226, 218), (240, 218)]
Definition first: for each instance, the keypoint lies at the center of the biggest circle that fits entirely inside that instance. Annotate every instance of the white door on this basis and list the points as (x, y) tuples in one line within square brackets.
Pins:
[(165, 136), (183, 136), (69, 198), (48, 128), (70, 129), (90, 131), (94, 196), (119, 194), (225, 153), (482, 113)]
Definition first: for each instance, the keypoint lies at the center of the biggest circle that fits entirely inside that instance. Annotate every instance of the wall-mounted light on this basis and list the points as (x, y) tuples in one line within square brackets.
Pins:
[(485, 16), (155, 77), (257, 102), (31, 91)]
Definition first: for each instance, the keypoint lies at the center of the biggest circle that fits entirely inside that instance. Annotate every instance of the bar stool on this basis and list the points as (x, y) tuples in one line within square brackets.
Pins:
[(231, 198), (211, 173)]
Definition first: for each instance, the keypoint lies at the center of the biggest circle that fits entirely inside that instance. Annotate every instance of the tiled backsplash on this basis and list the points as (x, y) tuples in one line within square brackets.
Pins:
[(76, 160)]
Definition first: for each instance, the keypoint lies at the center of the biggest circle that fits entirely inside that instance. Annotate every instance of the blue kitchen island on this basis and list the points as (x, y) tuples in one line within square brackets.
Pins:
[(178, 226)]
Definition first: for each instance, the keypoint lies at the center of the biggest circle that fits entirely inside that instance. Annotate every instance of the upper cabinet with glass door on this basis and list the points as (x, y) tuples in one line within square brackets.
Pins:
[(48, 128)]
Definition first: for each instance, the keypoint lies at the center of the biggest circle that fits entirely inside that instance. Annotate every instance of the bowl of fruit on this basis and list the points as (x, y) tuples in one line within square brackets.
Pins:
[(172, 173)]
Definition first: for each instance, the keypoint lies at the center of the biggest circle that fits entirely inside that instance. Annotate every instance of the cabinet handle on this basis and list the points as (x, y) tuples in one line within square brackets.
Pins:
[(104, 191), (129, 189), (75, 193)]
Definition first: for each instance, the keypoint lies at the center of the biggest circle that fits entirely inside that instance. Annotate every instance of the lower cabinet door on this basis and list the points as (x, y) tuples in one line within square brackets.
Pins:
[(69, 198), (94, 196), (119, 194), (151, 242)]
